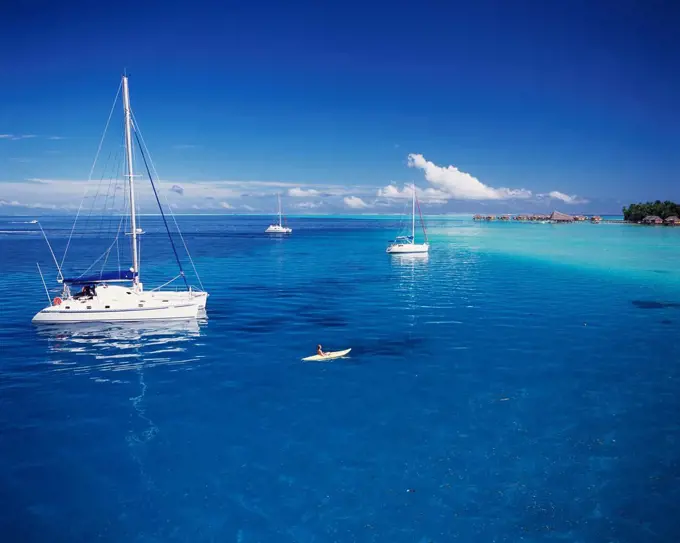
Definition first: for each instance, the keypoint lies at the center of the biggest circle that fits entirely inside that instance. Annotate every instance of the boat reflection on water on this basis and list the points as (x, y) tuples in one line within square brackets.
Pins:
[(88, 348), (410, 260)]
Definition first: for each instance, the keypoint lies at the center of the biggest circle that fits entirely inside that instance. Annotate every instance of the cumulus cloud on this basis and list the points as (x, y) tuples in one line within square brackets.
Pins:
[(308, 205), (179, 189), (566, 198), (354, 202), (297, 192), (461, 185), (428, 195)]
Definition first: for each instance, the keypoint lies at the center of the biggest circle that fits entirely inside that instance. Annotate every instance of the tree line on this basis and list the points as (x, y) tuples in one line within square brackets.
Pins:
[(637, 212)]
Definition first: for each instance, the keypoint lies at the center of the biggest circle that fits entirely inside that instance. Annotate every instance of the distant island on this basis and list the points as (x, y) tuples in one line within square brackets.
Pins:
[(653, 213)]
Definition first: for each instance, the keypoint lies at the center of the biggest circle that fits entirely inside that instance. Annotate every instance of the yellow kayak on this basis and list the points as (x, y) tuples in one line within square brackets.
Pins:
[(327, 356)]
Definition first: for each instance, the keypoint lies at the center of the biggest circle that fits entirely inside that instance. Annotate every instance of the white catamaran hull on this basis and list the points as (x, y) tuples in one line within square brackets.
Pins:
[(276, 229), (404, 248), (121, 304)]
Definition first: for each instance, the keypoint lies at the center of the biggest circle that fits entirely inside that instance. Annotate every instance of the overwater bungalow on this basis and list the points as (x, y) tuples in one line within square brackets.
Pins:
[(652, 219), (556, 216), (504, 218), (672, 221), (490, 218), (595, 219), (477, 217)]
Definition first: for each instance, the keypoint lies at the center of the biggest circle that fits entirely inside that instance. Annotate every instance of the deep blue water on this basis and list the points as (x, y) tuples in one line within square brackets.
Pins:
[(489, 396)]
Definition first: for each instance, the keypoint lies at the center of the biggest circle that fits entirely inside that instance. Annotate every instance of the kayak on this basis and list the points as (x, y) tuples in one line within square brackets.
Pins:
[(327, 356)]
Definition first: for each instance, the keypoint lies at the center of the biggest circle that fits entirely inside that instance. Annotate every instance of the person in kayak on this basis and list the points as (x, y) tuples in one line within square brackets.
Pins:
[(319, 351)]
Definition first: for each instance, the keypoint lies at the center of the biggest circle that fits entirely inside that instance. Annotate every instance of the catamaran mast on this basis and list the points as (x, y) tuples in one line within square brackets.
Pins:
[(131, 179), (413, 214)]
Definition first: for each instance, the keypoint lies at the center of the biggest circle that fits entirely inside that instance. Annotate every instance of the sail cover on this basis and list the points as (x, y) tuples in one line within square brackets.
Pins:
[(122, 275)]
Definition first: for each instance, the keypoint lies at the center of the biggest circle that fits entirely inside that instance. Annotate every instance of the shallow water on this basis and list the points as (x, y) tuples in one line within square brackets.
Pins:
[(520, 384)]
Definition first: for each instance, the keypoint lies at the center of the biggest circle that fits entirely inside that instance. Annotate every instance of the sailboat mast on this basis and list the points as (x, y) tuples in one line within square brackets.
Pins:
[(413, 214), (280, 220), (131, 179)]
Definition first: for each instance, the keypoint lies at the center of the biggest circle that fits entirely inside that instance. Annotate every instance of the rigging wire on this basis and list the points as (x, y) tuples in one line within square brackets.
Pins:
[(94, 164), (160, 207), (181, 236)]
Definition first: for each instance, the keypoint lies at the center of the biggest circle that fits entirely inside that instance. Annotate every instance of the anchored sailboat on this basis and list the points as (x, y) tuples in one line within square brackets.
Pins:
[(407, 244), (117, 296), (278, 228)]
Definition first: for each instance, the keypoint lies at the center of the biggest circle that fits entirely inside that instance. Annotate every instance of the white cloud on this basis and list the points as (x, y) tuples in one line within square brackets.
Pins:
[(428, 195), (15, 137), (573, 199), (354, 202), (308, 205), (248, 208), (297, 192), (35, 205), (460, 185), (226, 205)]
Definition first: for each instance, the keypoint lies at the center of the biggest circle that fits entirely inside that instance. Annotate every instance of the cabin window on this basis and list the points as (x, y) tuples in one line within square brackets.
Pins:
[(141, 305), (68, 307), (107, 307), (89, 307), (165, 301), (128, 292)]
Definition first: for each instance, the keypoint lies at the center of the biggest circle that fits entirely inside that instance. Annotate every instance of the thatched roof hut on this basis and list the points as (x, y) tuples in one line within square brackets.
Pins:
[(560, 217), (652, 219), (672, 220)]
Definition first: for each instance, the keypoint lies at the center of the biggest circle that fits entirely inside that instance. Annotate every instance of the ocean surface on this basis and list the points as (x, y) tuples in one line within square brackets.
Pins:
[(522, 383)]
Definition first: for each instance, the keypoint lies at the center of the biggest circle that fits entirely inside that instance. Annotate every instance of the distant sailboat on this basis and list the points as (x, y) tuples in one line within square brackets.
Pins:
[(278, 228), (407, 244), (118, 295)]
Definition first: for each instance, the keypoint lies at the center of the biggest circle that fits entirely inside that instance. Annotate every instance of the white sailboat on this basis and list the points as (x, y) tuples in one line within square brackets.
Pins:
[(278, 228), (407, 244), (119, 296)]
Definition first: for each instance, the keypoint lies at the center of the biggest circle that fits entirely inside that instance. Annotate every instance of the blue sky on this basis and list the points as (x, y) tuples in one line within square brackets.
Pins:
[(502, 106)]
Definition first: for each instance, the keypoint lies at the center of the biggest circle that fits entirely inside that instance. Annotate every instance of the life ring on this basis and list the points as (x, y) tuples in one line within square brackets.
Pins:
[(57, 301)]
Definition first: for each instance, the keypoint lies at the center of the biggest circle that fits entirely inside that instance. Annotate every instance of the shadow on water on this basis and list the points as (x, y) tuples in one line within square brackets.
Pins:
[(391, 346), (652, 304)]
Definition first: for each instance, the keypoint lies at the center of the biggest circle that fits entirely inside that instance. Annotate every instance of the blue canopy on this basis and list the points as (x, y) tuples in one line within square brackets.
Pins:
[(401, 239), (123, 275)]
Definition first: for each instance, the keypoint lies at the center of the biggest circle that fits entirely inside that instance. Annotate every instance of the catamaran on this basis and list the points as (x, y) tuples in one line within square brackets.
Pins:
[(119, 295), (407, 244), (278, 228)]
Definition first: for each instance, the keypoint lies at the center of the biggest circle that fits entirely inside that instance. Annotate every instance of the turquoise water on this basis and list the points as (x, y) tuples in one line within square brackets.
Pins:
[(520, 384)]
